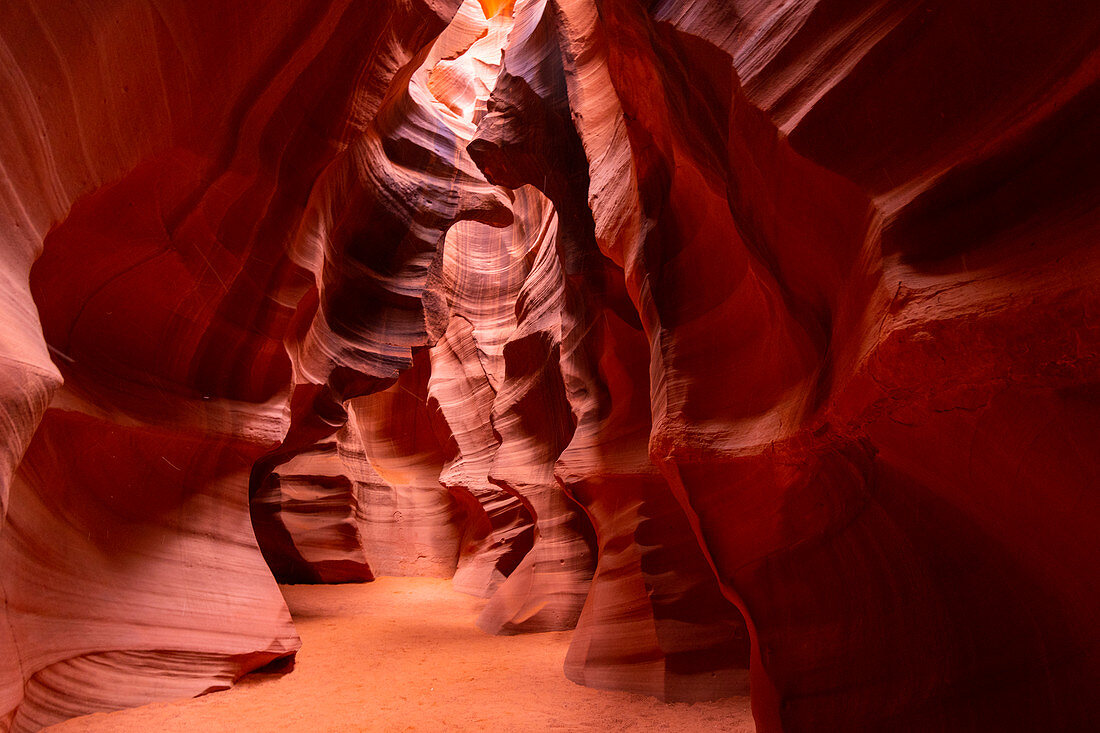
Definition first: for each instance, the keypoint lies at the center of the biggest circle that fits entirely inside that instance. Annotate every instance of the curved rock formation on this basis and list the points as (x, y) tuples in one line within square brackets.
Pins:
[(756, 339), (175, 163), (822, 404)]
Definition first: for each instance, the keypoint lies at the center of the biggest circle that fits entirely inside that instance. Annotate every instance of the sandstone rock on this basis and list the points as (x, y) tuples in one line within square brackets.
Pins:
[(758, 340)]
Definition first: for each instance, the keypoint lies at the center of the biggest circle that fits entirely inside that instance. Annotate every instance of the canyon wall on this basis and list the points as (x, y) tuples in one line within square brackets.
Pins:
[(756, 340), (158, 157)]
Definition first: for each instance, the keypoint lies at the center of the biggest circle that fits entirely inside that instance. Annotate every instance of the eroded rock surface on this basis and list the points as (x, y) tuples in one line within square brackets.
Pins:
[(757, 340)]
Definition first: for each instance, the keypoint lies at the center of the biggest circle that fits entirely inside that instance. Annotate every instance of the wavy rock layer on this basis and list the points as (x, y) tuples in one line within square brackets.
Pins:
[(865, 400), (757, 340), (174, 161)]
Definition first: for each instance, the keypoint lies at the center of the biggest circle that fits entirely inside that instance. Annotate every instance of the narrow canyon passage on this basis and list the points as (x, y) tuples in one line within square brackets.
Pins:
[(535, 364), (404, 654)]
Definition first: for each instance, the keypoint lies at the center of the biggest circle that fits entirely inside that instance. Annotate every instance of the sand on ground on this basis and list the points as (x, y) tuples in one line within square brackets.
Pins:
[(403, 654)]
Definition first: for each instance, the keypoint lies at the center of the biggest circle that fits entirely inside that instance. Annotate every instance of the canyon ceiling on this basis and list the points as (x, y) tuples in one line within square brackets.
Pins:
[(759, 340)]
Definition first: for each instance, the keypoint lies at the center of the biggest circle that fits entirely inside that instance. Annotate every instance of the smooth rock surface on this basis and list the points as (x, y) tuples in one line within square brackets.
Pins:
[(758, 340)]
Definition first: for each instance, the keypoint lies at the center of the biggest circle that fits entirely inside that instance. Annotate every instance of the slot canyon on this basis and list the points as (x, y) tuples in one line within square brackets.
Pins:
[(671, 365)]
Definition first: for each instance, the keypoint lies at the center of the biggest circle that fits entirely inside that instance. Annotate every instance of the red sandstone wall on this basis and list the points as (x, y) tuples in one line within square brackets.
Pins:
[(756, 340), (168, 149)]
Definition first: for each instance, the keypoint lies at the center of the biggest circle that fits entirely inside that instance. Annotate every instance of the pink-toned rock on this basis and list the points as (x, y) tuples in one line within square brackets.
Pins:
[(172, 163), (756, 339), (394, 449), (305, 514)]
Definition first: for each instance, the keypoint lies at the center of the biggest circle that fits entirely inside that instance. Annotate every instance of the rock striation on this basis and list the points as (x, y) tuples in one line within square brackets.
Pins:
[(757, 341)]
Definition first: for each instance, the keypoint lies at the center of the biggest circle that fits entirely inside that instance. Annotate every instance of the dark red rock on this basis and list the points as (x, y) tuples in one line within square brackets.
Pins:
[(758, 340)]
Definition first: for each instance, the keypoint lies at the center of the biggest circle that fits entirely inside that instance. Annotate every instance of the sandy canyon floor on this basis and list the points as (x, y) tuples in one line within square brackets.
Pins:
[(404, 654)]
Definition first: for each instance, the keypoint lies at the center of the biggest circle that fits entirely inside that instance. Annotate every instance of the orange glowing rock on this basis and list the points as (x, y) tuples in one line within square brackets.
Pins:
[(493, 8), (758, 341)]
